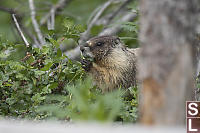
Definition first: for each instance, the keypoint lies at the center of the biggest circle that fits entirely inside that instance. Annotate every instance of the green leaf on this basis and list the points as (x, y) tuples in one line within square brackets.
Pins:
[(39, 73), (54, 42), (47, 66), (7, 84), (73, 36), (3, 55), (53, 85), (68, 23), (79, 28), (59, 53), (96, 29), (37, 50), (16, 65), (198, 85), (30, 60), (37, 98), (45, 49)]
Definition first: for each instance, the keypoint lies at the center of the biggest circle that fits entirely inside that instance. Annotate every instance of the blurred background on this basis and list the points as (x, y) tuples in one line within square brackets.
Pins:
[(80, 11)]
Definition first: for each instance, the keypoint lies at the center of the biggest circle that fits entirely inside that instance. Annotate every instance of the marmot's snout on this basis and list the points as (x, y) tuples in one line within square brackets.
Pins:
[(82, 48), (85, 51)]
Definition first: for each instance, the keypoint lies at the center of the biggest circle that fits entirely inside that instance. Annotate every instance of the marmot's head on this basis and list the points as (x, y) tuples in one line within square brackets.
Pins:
[(100, 47)]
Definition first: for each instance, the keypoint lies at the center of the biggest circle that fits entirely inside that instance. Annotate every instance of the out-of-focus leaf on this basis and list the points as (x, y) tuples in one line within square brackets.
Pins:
[(59, 53), (47, 66), (96, 29), (54, 42)]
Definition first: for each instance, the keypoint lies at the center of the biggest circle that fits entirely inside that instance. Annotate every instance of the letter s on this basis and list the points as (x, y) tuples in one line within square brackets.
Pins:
[(193, 108)]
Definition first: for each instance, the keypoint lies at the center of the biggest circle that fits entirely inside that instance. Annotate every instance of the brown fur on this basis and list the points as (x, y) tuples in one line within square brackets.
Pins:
[(114, 65)]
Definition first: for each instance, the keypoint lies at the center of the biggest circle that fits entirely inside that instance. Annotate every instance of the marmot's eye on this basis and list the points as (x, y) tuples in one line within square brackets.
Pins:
[(99, 43)]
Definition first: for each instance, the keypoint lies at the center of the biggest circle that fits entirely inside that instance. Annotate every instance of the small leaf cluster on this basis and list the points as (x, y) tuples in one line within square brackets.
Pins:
[(71, 29)]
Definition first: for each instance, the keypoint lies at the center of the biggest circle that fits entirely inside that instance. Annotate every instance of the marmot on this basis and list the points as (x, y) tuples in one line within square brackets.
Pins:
[(113, 65)]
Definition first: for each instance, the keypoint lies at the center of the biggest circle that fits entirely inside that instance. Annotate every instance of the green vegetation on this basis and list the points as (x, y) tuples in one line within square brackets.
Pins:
[(38, 84), (41, 85)]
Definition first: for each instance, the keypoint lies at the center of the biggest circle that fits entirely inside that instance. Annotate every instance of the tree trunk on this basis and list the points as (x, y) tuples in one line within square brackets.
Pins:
[(166, 63)]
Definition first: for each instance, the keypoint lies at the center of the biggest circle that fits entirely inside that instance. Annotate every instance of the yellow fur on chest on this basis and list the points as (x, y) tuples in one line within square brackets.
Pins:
[(106, 78), (110, 72)]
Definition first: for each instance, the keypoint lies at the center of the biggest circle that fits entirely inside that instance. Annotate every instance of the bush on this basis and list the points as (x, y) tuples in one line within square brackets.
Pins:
[(42, 85)]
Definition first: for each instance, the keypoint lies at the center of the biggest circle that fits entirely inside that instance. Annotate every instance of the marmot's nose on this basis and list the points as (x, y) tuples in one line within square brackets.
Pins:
[(82, 48), (86, 44)]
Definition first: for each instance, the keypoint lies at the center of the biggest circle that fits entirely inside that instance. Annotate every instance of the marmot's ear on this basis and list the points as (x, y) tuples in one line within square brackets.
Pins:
[(116, 41)]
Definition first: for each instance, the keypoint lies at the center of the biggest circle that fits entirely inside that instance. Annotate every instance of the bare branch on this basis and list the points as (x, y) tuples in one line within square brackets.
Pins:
[(60, 5), (19, 20), (52, 19), (9, 10), (74, 54), (116, 28), (114, 14), (20, 31), (34, 22), (86, 34)]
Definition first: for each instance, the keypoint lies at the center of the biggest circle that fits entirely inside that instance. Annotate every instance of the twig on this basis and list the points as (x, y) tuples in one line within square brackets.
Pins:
[(20, 31), (116, 28), (60, 5), (124, 4), (107, 19), (74, 54), (96, 10), (19, 18), (93, 14), (86, 34), (34, 22), (52, 18), (9, 10)]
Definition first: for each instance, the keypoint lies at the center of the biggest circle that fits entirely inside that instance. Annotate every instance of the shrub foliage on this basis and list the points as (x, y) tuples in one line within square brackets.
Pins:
[(40, 84)]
